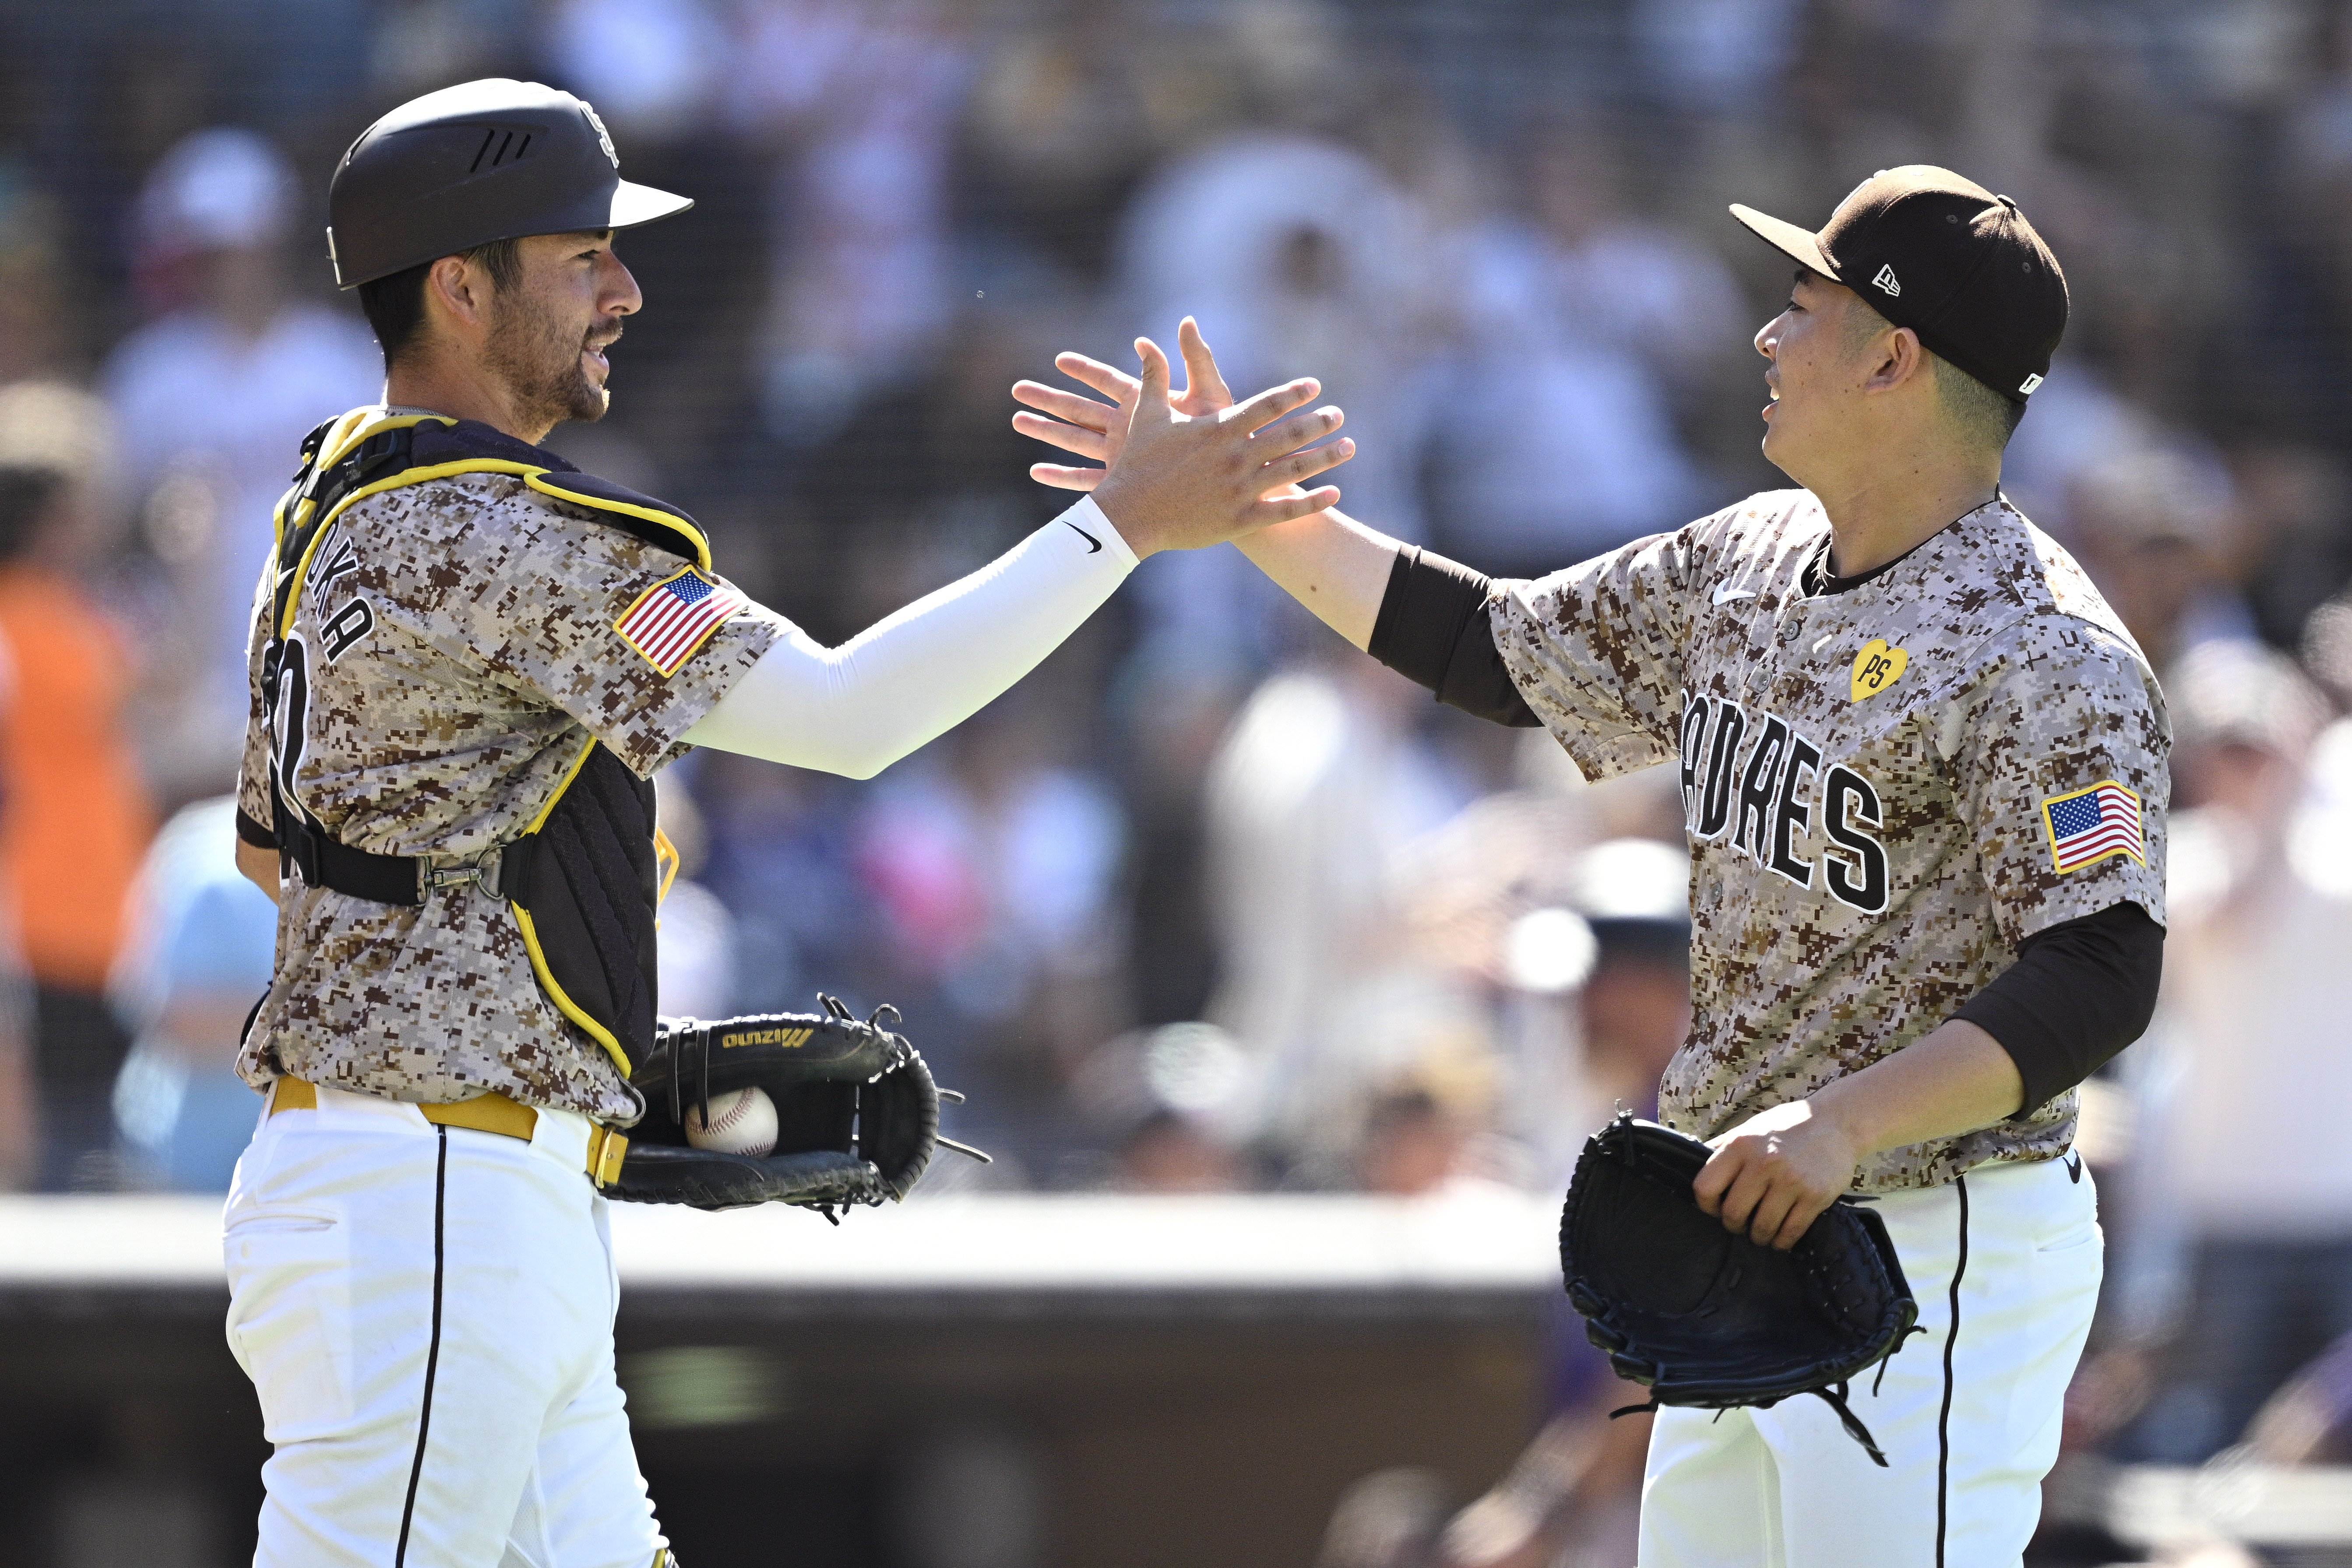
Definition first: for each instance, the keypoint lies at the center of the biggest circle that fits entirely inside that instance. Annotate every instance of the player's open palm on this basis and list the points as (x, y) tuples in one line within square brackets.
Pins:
[(1182, 470)]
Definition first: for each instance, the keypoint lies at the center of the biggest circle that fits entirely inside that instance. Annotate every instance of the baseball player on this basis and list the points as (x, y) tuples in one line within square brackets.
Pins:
[(1923, 767), (468, 658)]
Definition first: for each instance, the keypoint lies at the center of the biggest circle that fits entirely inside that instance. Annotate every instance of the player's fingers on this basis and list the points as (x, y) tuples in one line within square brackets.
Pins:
[(1107, 379), (1199, 364), (1714, 1179), (1737, 1208), (1772, 1211), (1062, 404), (1065, 479), (1285, 508), (1273, 402), (1304, 465), (1800, 1219), (1069, 438), (1155, 372), (1298, 430)]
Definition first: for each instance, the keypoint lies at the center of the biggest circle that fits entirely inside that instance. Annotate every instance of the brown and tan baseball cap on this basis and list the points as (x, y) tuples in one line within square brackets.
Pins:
[(1948, 258)]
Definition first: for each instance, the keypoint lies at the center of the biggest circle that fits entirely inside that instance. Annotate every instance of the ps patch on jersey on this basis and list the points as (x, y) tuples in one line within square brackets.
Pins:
[(1876, 668), (674, 617), (2093, 823)]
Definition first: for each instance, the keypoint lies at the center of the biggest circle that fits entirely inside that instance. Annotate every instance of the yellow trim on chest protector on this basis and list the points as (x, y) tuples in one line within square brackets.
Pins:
[(332, 451), (531, 942)]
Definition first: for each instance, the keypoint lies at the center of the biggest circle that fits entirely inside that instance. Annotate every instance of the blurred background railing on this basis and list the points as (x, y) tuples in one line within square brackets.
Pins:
[(1208, 905)]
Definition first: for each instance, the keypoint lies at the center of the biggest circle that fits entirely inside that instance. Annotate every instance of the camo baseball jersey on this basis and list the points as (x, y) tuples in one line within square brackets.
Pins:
[(1886, 789), (465, 637)]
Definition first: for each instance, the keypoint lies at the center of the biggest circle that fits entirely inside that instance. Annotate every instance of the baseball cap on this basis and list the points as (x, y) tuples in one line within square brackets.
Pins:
[(483, 161), (223, 186), (1948, 258)]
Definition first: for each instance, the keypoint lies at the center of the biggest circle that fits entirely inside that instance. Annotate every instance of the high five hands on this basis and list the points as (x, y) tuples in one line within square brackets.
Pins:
[(1182, 470)]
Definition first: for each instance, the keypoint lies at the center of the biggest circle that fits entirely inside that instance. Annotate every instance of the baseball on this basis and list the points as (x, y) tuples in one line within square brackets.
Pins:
[(743, 1122)]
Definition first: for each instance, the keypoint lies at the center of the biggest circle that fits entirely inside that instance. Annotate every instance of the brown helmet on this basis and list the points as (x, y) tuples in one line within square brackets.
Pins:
[(483, 161)]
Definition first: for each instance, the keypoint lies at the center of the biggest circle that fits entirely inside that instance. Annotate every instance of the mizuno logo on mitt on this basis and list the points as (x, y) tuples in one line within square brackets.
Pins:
[(790, 1039)]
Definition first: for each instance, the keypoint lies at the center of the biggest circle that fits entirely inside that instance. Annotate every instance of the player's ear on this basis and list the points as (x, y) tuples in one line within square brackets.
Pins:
[(459, 288), (1899, 359)]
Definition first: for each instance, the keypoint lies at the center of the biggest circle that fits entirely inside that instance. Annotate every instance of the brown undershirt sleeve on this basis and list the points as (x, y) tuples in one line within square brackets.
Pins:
[(2080, 992), (1433, 628)]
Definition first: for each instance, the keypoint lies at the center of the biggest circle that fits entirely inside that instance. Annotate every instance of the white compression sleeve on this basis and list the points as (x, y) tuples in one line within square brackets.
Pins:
[(914, 675)]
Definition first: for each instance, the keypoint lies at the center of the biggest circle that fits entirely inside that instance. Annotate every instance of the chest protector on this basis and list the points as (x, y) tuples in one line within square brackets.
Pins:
[(585, 877)]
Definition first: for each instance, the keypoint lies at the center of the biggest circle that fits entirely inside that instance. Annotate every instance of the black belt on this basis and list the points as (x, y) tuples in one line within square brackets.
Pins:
[(502, 871)]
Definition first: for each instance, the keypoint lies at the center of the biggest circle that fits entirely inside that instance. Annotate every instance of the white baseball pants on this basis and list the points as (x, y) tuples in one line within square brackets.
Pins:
[(427, 1313), (2005, 1266)]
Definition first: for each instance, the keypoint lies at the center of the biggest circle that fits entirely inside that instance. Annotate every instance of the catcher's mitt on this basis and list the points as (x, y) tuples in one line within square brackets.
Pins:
[(1706, 1318), (857, 1116)]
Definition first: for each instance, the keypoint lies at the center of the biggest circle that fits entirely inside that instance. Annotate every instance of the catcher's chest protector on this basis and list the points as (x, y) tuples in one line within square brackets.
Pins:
[(585, 877)]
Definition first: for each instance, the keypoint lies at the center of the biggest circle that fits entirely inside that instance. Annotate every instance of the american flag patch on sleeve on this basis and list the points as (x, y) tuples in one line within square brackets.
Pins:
[(675, 616), (2093, 823)]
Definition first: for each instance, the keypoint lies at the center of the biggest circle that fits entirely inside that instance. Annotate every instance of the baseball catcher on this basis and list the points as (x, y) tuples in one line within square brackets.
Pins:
[(857, 1115)]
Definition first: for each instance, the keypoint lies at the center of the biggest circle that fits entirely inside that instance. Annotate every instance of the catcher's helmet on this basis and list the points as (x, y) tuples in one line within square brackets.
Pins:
[(482, 161)]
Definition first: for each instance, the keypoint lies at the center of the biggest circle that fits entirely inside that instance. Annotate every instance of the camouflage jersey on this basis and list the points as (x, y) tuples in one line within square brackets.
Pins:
[(463, 641), (1886, 789)]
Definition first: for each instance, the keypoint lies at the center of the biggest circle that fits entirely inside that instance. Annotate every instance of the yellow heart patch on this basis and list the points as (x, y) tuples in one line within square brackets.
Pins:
[(1876, 668)]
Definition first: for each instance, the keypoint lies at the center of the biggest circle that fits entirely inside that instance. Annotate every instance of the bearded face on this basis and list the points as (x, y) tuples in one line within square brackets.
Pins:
[(551, 359)]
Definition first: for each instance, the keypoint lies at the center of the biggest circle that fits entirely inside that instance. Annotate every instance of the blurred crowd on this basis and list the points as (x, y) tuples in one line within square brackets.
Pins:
[(1210, 902)]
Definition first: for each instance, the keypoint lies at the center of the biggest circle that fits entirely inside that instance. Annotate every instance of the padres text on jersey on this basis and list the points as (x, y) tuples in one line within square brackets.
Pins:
[(1878, 784)]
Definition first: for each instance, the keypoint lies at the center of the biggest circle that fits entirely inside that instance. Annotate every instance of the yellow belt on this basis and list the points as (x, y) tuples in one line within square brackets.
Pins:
[(490, 1112)]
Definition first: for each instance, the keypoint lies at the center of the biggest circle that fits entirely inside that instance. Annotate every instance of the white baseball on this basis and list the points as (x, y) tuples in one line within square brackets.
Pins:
[(743, 1122)]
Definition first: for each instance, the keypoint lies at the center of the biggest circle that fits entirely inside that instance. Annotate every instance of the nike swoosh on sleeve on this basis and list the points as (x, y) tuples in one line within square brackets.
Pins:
[(1093, 544), (1723, 595)]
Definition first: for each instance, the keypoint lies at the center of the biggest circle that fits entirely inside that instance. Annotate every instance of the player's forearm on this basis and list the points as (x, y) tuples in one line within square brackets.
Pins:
[(1956, 1079), (1331, 563), (913, 676), (259, 866)]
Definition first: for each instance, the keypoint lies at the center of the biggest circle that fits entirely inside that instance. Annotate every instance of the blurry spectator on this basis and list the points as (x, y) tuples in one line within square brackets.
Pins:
[(2240, 1147), (648, 64), (696, 951), (1572, 1498), (74, 816), (1299, 257), (1170, 1108), (2309, 1420), (1068, 110), (994, 863), (204, 955), (1590, 320), (37, 302), (1388, 1520), (2155, 533), (862, 100), (1320, 782), (213, 399)]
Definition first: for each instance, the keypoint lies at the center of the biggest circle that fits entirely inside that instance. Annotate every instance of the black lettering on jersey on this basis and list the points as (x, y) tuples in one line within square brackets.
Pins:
[(1756, 781), (1694, 713), (1844, 790), (1792, 815), (334, 558), (289, 703), (346, 627), (1722, 759)]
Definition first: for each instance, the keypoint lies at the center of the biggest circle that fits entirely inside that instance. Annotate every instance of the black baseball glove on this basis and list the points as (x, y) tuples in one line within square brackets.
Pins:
[(857, 1115), (1706, 1318)]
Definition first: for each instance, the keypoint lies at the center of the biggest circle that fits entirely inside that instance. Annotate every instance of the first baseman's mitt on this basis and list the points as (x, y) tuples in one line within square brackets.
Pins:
[(857, 1116), (1706, 1318)]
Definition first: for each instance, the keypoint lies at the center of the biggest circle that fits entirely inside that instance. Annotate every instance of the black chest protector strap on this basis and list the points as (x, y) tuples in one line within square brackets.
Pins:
[(585, 878)]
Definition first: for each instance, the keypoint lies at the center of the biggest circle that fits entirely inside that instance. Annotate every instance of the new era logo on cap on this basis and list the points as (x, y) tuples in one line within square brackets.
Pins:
[(2025, 388), (1886, 280)]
